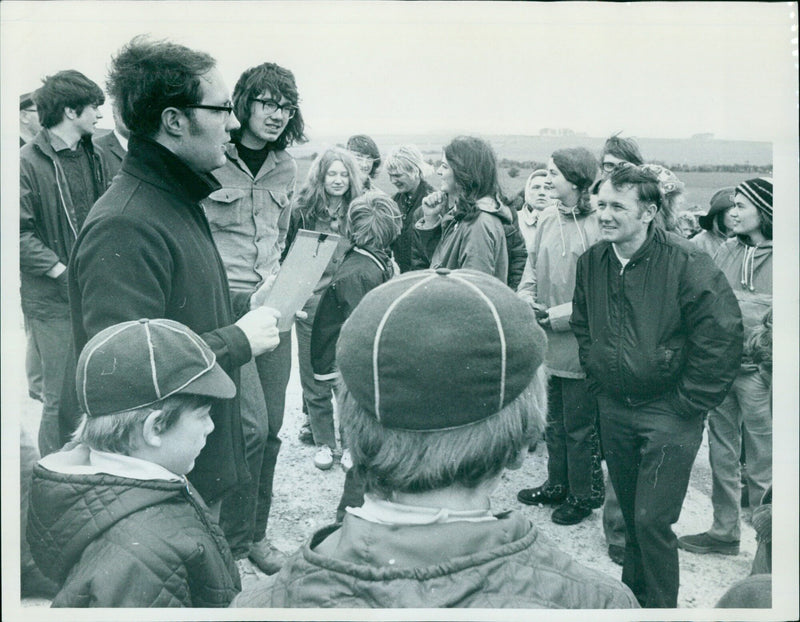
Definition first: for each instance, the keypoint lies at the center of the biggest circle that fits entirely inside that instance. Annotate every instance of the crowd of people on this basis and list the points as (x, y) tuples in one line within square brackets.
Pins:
[(451, 328)]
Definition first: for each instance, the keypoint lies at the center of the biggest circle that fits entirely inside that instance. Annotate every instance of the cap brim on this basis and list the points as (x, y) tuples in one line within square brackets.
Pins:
[(214, 383)]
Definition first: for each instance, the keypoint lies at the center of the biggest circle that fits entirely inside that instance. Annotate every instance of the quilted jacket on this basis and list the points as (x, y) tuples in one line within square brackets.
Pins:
[(499, 564), (119, 542)]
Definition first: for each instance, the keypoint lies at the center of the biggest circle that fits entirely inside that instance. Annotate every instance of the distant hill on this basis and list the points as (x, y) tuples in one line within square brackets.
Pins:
[(687, 152)]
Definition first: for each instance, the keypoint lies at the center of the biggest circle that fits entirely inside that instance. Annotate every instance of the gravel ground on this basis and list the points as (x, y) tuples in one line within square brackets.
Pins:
[(305, 499)]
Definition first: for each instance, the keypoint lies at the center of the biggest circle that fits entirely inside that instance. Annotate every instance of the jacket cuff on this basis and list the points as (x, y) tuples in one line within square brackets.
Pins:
[(238, 345), (559, 317)]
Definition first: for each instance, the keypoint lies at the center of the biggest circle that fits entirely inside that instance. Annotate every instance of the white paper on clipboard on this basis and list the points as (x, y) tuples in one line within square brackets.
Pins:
[(307, 259)]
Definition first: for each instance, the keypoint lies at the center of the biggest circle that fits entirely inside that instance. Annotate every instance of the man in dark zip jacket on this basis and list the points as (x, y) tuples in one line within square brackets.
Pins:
[(660, 337), (61, 176)]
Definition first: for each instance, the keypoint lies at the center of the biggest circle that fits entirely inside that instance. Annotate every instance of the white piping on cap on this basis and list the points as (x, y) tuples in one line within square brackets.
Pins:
[(153, 371), (384, 319), (500, 333), (88, 358)]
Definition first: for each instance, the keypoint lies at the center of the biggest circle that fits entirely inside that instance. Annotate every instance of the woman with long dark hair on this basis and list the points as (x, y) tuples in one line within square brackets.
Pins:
[(462, 223)]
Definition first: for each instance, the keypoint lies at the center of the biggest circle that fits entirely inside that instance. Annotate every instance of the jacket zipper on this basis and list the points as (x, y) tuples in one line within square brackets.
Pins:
[(619, 332), (63, 201)]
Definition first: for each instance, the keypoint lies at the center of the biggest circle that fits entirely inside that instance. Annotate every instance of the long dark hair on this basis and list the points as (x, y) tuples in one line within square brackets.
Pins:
[(474, 167)]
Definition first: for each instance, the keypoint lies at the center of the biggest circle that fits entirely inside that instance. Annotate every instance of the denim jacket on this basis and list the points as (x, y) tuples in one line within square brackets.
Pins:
[(249, 216)]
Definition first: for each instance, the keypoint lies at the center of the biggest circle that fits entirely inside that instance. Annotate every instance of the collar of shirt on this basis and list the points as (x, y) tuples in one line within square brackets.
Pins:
[(383, 512), (122, 140)]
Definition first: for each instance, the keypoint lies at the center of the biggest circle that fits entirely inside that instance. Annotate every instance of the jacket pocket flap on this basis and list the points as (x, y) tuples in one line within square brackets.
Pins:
[(226, 195)]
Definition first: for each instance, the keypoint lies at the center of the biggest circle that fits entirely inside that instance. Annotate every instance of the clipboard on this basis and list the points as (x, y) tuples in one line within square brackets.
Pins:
[(300, 272)]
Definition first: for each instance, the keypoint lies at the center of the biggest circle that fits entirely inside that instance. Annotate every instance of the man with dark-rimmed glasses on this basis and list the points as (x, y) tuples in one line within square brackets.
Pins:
[(146, 250), (249, 218)]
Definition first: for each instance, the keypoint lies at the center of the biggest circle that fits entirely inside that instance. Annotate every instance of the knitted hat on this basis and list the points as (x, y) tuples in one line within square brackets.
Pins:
[(410, 155), (135, 364), (721, 201), (759, 191), (439, 349), (577, 165)]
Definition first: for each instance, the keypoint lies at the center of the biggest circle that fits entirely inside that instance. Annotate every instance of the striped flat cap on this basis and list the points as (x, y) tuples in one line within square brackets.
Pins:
[(439, 349), (138, 363)]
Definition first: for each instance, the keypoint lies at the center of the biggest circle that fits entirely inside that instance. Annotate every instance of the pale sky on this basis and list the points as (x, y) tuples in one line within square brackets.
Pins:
[(651, 69)]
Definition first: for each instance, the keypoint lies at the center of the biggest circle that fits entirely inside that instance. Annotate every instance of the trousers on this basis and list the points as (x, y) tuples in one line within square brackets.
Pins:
[(52, 342), (572, 445), (650, 450), (245, 510), (744, 418), (317, 395)]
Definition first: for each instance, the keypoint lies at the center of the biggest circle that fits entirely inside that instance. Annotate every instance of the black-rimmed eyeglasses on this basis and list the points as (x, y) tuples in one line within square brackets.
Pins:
[(227, 108), (269, 106)]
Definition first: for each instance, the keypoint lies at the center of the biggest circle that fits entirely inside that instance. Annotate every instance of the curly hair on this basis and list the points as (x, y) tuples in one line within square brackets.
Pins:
[(279, 82), (65, 89), (312, 198), (474, 167), (148, 76)]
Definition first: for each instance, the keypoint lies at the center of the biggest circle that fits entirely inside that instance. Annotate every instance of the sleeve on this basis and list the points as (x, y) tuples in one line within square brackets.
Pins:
[(34, 255), (527, 284), (423, 244), (517, 253), (122, 278), (286, 214), (559, 317), (479, 249), (110, 575), (714, 345), (579, 321)]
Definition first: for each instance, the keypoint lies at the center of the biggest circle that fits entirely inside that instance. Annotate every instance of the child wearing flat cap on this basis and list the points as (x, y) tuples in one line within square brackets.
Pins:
[(442, 390), (113, 519)]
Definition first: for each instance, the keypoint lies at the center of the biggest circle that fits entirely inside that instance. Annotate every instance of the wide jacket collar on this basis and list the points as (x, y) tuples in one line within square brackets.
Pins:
[(274, 157), (155, 164)]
